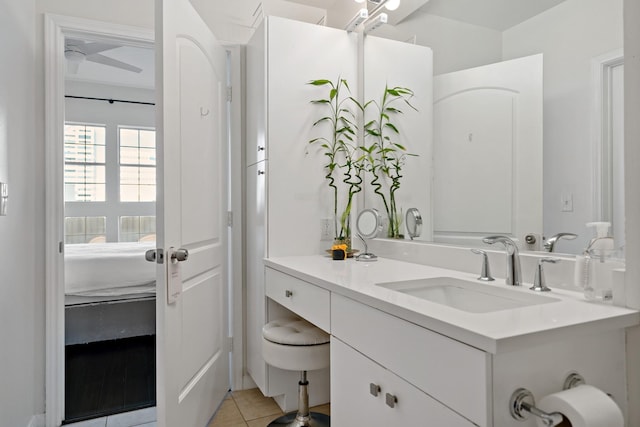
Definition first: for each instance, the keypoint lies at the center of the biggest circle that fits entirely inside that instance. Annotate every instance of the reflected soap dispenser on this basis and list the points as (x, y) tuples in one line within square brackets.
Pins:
[(593, 268)]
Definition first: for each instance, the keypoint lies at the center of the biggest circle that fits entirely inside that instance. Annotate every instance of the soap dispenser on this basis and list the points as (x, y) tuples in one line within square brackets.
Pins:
[(593, 268)]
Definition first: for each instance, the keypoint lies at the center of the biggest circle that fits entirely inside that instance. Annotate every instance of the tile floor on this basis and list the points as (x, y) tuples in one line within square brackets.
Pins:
[(140, 418), (249, 408), (245, 408)]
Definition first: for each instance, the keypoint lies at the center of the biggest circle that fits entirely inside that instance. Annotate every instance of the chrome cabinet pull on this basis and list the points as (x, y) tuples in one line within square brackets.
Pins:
[(260, 172), (260, 148), (391, 400), (288, 293), (374, 389)]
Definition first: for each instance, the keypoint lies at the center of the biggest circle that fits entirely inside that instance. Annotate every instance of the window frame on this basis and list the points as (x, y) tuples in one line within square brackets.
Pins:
[(112, 208)]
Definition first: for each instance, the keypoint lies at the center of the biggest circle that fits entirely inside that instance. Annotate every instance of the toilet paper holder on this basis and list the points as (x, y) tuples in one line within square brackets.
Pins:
[(522, 403)]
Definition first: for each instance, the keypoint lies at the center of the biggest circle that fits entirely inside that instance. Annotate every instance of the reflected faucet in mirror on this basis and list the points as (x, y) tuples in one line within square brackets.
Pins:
[(514, 272), (550, 243)]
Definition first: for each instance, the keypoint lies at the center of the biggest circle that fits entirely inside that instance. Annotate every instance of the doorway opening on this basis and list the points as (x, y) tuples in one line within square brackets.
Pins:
[(101, 218), (109, 223)]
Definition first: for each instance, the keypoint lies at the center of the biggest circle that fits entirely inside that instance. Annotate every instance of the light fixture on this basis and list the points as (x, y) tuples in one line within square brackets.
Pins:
[(389, 4), (392, 4), (376, 22), (360, 17)]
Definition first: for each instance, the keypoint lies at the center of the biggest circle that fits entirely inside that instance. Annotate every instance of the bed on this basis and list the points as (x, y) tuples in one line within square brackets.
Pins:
[(107, 271), (109, 291)]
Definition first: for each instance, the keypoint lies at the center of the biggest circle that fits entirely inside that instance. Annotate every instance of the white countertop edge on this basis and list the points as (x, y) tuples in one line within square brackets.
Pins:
[(613, 317)]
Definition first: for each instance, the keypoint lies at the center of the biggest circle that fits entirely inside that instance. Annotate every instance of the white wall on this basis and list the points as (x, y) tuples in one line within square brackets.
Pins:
[(456, 45), (570, 36), (21, 231)]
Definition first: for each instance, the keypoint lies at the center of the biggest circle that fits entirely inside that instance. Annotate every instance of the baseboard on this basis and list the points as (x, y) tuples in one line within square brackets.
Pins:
[(37, 421)]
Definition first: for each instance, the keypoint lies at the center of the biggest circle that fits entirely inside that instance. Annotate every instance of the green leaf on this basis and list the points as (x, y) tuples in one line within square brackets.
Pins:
[(320, 82), (400, 147), (324, 119), (392, 127), (333, 93)]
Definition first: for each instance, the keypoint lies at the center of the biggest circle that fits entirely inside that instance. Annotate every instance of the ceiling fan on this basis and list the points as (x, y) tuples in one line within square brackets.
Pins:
[(78, 51)]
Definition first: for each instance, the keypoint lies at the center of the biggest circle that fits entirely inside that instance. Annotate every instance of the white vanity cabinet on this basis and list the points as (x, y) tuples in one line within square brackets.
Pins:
[(388, 367), (427, 372), (365, 393), (284, 173)]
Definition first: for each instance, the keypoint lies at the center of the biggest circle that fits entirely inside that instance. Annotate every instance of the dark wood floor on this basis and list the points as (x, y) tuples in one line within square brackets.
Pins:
[(108, 377)]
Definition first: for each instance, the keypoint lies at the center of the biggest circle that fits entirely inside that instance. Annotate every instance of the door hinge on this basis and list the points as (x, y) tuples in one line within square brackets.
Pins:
[(229, 219), (229, 94)]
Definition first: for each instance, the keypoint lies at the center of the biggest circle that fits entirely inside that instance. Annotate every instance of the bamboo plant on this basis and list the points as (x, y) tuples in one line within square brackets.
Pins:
[(385, 157), (341, 149)]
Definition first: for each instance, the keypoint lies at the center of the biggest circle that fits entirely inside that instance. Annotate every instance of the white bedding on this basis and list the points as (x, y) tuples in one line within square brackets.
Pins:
[(108, 269)]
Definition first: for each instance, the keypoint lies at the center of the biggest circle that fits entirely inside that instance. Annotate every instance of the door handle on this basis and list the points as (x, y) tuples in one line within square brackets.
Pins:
[(154, 255), (179, 255)]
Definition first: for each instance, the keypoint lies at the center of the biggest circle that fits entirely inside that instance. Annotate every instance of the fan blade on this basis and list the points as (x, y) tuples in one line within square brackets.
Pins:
[(91, 48), (105, 60)]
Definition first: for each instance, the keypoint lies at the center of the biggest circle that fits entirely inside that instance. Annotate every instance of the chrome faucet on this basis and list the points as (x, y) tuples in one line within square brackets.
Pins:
[(514, 273), (549, 244)]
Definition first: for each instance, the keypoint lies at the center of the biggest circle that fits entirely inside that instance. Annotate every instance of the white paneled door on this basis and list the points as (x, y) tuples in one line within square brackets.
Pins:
[(193, 359), (487, 152)]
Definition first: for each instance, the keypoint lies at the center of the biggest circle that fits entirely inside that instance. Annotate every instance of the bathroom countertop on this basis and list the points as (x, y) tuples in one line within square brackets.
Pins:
[(498, 331)]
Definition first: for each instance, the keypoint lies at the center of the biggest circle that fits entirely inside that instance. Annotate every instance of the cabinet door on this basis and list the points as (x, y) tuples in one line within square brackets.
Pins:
[(256, 93), (255, 247), (355, 379)]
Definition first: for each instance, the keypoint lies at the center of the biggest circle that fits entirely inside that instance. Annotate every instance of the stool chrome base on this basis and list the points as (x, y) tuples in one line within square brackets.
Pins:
[(302, 417), (291, 419)]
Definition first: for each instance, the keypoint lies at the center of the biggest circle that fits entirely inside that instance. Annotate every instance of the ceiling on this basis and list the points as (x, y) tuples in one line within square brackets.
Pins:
[(234, 22), (97, 73), (496, 14)]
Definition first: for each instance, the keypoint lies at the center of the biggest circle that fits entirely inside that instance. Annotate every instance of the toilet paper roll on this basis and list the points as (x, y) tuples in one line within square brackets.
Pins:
[(583, 406)]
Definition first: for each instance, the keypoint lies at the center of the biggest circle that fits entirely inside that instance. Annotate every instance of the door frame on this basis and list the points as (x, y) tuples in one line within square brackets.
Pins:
[(601, 131), (55, 29)]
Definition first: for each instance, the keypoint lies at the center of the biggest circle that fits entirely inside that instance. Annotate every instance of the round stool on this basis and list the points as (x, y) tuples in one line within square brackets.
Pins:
[(297, 345)]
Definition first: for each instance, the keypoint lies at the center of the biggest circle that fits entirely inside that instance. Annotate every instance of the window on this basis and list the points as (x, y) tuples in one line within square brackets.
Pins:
[(137, 228), (109, 183), (84, 163), (137, 165), (90, 229)]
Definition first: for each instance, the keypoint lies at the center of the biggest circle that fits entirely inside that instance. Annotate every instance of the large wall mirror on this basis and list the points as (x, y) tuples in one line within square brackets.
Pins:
[(539, 156)]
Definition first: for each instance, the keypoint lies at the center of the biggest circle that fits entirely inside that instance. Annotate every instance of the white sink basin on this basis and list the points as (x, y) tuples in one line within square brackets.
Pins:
[(467, 296)]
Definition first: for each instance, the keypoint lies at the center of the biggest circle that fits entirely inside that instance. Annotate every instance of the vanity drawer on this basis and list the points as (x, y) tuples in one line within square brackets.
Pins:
[(304, 299), (453, 373)]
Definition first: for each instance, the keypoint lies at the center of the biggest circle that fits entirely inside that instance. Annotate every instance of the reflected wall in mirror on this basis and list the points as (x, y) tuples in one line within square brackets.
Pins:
[(581, 45)]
